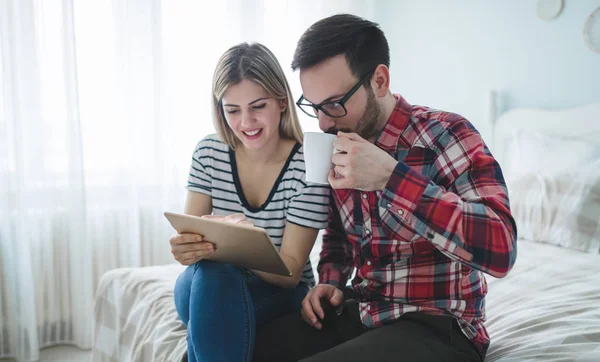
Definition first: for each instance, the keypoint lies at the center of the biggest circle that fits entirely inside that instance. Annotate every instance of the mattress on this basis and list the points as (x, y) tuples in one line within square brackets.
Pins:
[(135, 317), (547, 308)]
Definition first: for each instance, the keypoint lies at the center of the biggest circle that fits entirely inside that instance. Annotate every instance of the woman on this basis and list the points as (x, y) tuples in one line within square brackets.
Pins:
[(253, 169)]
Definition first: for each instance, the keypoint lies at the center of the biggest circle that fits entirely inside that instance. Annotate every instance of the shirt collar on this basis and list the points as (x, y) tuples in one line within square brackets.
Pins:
[(389, 136)]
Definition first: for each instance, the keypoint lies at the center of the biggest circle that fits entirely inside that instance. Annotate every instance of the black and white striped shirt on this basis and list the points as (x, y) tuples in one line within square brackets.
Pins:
[(214, 173)]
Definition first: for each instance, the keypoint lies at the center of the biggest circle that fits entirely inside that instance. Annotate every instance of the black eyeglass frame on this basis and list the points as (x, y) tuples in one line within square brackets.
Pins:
[(341, 102)]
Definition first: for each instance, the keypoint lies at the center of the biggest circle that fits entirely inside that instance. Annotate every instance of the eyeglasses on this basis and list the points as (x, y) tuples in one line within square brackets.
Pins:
[(335, 109)]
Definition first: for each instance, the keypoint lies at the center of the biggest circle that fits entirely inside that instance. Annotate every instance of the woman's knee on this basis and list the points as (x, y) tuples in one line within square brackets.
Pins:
[(203, 274), (214, 267)]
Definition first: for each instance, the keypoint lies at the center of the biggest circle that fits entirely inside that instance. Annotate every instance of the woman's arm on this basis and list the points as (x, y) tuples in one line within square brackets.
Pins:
[(198, 204), (295, 248)]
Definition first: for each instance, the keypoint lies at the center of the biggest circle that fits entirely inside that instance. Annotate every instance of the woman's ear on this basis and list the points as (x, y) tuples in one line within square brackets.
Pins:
[(283, 104)]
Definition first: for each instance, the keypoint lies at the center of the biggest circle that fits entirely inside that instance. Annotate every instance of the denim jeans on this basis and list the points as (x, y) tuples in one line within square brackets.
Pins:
[(221, 306)]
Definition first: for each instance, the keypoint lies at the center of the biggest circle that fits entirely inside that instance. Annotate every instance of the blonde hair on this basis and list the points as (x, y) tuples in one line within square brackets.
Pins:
[(257, 63)]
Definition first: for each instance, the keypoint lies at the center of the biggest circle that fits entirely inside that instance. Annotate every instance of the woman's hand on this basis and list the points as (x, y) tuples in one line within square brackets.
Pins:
[(233, 218), (190, 248)]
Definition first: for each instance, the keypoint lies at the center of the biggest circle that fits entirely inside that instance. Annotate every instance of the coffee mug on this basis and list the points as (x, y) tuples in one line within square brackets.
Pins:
[(318, 149)]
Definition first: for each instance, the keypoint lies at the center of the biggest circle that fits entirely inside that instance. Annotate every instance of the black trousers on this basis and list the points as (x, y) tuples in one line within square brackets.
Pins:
[(414, 337)]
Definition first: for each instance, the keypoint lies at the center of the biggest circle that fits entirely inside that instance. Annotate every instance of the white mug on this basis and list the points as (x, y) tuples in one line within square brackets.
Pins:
[(318, 149)]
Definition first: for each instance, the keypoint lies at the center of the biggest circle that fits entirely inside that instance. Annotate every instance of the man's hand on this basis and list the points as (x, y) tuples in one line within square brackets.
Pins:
[(311, 305), (362, 165)]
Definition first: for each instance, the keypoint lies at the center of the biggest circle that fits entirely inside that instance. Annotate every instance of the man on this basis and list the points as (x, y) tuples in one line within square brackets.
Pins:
[(419, 209)]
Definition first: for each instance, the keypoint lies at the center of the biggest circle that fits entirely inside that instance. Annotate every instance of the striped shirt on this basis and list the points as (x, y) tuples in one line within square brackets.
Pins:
[(214, 172), (423, 243)]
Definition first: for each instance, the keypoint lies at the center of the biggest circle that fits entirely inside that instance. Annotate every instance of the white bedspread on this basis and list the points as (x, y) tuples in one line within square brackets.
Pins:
[(547, 308), (135, 316)]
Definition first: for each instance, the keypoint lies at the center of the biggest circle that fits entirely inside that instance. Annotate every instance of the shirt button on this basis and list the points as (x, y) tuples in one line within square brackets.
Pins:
[(430, 236), (389, 206), (368, 262), (365, 196), (400, 212)]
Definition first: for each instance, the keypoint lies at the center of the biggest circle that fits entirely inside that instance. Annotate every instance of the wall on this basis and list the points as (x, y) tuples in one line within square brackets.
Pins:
[(448, 55)]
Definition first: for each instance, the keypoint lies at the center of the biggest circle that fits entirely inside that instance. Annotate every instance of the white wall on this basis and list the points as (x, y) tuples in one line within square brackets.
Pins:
[(449, 54)]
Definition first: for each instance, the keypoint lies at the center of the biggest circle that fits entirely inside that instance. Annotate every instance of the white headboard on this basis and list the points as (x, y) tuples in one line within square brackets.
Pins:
[(582, 123)]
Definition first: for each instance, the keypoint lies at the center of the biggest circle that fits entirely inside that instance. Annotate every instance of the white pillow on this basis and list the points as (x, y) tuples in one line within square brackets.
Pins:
[(554, 190), (535, 152)]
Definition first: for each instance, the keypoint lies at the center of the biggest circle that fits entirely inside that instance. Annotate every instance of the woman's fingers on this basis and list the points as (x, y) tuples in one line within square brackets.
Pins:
[(185, 238), (190, 252), (235, 218), (196, 246), (213, 217)]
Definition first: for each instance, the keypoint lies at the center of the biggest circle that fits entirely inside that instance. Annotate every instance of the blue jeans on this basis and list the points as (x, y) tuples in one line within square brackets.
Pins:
[(221, 306)]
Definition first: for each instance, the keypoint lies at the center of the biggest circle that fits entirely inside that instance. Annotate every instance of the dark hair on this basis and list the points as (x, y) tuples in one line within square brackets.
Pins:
[(361, 41)]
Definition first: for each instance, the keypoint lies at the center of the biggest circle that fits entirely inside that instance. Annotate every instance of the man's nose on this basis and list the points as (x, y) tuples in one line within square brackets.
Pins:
[(325, 122)]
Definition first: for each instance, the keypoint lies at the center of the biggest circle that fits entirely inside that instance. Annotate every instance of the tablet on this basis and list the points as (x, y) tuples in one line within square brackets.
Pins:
[(245, 246)]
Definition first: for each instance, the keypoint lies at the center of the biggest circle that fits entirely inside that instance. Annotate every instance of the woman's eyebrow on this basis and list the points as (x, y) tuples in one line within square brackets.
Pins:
[(254, 101)]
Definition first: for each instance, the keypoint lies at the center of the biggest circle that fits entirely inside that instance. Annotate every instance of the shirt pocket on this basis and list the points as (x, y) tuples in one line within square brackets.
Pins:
[(420, 159)]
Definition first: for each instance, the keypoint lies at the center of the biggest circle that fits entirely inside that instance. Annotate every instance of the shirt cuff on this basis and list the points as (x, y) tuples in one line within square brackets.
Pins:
[(403, 190), (332, 276)]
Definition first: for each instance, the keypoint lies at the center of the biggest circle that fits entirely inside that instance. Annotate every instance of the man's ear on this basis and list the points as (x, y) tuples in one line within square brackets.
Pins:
[(283, 103), (380, 81)]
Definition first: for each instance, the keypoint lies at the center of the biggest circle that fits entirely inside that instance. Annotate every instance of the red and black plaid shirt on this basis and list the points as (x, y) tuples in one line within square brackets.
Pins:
[(423, 243)]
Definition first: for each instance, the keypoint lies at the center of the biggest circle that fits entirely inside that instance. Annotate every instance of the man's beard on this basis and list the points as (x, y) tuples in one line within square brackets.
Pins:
[(367, 125)]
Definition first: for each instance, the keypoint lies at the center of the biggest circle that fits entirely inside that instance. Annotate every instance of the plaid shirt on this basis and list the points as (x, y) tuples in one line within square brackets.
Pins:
[(422, 243)]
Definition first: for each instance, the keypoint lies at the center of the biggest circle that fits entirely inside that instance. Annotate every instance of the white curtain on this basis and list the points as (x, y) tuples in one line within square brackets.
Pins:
[(101, 104)]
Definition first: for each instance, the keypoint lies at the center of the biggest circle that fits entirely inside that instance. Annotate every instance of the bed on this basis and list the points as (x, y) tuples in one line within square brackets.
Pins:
[(547, 308)]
